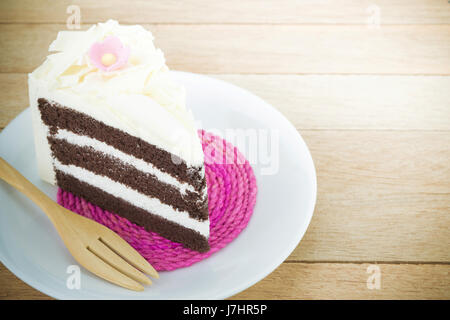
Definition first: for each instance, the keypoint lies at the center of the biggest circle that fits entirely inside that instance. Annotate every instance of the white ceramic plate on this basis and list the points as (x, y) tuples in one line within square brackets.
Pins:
[(33, 251)]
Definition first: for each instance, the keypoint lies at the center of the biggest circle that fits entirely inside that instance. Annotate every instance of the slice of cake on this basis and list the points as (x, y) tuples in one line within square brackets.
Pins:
[(112, 127)]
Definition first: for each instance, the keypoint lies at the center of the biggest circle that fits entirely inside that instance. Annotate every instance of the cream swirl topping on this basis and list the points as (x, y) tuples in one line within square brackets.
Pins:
[(141, 95)]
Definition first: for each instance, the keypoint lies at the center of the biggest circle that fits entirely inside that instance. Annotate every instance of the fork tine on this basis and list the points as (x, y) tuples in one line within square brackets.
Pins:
[(116, 261), (100, 268), (128, 253)]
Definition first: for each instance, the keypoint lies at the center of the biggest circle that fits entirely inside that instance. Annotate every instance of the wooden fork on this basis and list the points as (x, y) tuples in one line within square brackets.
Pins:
[(93, 245)]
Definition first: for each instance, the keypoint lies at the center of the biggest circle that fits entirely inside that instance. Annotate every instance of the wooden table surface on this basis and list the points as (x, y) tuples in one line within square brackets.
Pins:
[(367, 85)]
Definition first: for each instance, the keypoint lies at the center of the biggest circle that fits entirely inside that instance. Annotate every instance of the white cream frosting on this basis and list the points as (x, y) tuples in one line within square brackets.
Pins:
[(140, 98)]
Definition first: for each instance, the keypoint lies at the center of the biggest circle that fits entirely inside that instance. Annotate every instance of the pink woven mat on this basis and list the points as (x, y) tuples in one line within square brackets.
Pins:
[(231, 196)]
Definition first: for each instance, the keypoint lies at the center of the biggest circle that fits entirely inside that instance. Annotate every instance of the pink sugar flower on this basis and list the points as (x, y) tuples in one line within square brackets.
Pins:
[(110, 54)]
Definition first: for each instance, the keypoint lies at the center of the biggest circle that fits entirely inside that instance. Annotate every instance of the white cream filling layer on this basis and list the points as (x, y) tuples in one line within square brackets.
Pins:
[(141, 165), (144, 202)]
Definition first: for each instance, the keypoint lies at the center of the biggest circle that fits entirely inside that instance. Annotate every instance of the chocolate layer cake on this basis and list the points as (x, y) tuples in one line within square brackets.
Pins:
[(112, 127)]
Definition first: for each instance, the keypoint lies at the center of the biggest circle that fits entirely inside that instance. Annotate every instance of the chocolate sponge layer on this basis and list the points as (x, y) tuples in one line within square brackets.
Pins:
[(189, 238), (145, 183), (57, 116)]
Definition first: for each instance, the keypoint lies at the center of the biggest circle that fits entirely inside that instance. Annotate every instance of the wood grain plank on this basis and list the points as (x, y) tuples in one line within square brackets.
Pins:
[(349, 281), (13, 96), (261, 49), (331, 102), (354, 102), (231, 11), (382, 196), (312, 281)]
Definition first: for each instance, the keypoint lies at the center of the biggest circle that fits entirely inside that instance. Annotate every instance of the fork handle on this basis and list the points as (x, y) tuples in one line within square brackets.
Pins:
[(22, 184)]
